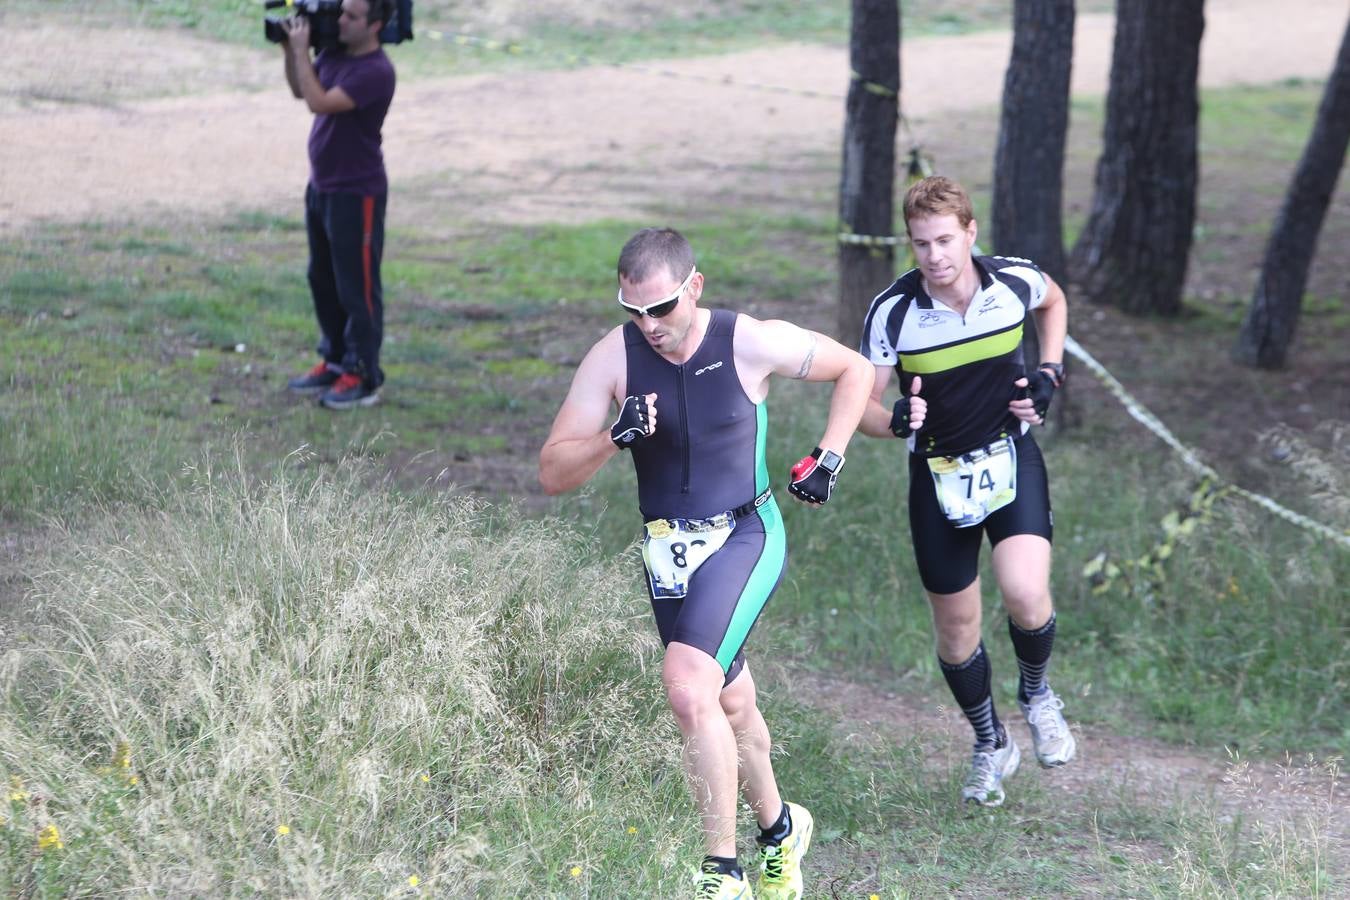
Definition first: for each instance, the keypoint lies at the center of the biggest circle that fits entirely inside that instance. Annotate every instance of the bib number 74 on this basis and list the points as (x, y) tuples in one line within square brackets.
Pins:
[(971, 486)]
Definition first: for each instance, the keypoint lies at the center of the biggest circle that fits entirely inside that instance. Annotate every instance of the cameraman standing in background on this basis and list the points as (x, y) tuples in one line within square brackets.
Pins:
[(348, 88)]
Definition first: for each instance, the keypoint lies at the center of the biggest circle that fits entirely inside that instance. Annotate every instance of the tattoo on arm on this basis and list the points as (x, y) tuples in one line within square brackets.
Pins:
[(810, 355)]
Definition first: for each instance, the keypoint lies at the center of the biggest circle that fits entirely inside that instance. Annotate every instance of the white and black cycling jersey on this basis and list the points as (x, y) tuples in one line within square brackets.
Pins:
[(968, 362)]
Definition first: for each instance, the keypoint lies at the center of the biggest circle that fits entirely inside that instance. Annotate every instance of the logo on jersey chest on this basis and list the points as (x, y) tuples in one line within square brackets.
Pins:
[(924, 330), (708, 368)]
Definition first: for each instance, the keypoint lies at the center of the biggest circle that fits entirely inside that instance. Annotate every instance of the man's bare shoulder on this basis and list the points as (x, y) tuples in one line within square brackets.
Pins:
[(765, 338), (604, 364), (612, 342)]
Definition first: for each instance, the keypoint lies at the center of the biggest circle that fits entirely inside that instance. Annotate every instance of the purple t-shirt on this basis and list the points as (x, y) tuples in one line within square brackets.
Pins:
[(344, 148)]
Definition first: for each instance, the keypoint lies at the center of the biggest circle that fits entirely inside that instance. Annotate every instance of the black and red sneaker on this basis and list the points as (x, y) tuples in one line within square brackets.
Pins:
[(316, 380), (349, 391)]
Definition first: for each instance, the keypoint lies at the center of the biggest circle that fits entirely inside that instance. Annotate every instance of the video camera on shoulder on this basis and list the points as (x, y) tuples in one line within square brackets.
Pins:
[(323, 22)]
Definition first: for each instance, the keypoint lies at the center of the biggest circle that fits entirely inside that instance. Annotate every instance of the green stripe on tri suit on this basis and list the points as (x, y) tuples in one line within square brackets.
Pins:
[(759, 586), (761, 440)]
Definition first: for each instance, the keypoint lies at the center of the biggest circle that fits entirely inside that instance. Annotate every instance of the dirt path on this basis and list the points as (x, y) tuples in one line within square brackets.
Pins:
[(1297, 796), (547, 146)]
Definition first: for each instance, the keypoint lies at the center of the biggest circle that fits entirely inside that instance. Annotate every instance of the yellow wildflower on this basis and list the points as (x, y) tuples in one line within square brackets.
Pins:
[(576, 871), (49, 838), (632, 829), (425, 778), (283, 830), (17, 793), (414, 881), (122, 758)]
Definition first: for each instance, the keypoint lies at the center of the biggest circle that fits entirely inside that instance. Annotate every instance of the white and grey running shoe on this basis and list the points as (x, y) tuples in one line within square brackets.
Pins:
[(988, 768), (1054, 742)]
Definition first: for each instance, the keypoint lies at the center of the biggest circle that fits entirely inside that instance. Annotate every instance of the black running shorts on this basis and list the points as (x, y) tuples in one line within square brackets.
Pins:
[(949, 557)]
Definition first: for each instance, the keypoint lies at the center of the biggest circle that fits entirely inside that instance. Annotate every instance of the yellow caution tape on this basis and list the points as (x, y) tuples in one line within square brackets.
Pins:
[(868, 240)]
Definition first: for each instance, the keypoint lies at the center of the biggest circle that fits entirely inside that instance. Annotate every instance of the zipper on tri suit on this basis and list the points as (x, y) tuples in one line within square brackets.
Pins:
[(684, 428)]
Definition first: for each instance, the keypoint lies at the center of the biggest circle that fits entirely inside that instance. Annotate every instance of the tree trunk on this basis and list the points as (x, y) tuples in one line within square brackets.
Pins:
[(1269, 327), (1027, 216), (867, 182), (1134, 249)]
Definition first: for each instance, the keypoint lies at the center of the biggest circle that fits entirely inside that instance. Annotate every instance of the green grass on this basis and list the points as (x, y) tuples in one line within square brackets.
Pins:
[(487, 329), (310, 683), (316, 653), (535, 37), (298, 639), (150, 338)]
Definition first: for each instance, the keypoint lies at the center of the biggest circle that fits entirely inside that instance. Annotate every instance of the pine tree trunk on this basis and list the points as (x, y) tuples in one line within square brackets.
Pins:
[(1272, 318), (1027, 215), (1134, 249), (867, 182)]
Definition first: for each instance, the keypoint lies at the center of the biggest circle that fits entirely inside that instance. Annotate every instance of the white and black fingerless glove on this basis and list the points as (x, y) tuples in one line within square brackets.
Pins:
[(633, 423), (812, 478)]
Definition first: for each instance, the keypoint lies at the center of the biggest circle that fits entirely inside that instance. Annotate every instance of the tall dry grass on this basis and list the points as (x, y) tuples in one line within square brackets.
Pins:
[(311, 687)]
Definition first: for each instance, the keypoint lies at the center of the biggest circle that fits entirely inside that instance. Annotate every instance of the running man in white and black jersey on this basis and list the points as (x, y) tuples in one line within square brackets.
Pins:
[(952, 328), (689, 386)]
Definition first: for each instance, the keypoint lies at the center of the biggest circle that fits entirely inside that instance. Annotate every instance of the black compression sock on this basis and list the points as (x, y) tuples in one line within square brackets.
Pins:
[(722, 865), (781, 828), (970, 682), (1033, 656)]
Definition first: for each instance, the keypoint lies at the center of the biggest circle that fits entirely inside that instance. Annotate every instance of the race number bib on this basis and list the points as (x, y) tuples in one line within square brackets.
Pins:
[(673, 549), (971, 486)]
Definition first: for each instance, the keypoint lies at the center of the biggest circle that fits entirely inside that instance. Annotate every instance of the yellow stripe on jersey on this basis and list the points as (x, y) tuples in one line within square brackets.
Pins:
[(950, 357)]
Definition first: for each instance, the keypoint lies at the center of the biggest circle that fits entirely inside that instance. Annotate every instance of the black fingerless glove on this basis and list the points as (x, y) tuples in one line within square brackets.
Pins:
[(812, 478), (1041, 389), (900, 418), (633, 423)]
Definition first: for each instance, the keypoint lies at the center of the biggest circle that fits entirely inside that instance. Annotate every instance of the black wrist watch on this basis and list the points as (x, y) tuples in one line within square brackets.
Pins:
[(1055, 369), (830, 461)]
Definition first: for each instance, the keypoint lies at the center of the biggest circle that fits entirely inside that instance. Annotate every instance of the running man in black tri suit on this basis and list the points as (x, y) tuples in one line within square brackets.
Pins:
[(690, 385), (952, 328)]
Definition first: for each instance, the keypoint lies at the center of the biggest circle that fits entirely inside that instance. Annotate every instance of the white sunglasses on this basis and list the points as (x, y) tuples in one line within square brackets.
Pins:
[(661, 308)]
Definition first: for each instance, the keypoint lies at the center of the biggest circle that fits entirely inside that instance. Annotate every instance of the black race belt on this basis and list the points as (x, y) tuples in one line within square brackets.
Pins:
[(746, 509)]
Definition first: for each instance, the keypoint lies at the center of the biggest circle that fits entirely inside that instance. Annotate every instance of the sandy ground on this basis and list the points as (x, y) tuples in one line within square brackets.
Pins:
[(544, 146)]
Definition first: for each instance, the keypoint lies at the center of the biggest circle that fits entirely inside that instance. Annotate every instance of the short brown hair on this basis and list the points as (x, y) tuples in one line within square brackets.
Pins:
[(938, 195), (652, 249)]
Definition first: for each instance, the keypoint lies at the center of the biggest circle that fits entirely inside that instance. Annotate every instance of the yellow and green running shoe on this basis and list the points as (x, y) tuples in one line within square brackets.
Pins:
[(781, 864), (720, 886)]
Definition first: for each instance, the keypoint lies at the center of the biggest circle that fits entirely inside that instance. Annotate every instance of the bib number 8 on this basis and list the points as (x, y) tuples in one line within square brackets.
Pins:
[(672, 556), (679, 549)]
